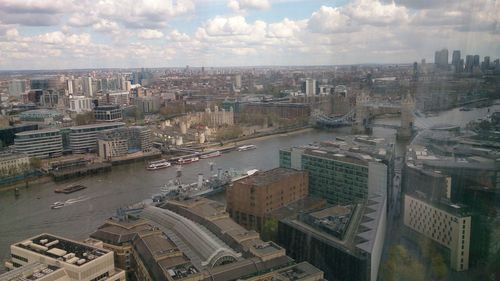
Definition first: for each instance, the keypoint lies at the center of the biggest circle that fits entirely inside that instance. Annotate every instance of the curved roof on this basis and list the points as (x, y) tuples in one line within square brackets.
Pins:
[(208, 248)]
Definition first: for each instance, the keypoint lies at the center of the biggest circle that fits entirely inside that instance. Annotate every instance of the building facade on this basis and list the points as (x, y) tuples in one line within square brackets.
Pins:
[(80, 104), (40, 143), (445, 224), (122, 141), (251, 200), (13, 163), (83, 139), (108, 113)]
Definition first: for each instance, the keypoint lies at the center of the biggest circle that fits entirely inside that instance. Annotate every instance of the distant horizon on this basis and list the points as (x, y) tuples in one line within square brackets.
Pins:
[(93, 34)]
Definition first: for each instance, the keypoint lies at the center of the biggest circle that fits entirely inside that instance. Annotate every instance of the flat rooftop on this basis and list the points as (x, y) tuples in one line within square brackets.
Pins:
[(33, 271), (97, 125), (64, 250), (34, 132), (269, 177)]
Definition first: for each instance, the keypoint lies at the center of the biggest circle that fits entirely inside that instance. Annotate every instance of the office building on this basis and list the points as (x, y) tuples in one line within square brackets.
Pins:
[(41, 115), (441, 59), (36, 271), (309, 87), (476, 61), (344, 241), (39, 83), (455, 61), (237, 81), (250, 201), (83, 139), (117, 98), (70, 87), (80, 261), (17, 87), (201, 242), (342, 171), (447, 224), (80, 104), (8, 134), (12, 163), (108, 113), (148, 104), (87, 86), (469, 63), (40, 143), (122, 141)]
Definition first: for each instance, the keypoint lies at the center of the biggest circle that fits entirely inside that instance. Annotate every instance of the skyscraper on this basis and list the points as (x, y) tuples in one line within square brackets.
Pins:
[(476, 60), (441, 59), (87, 86), (455, 61), (469, 60)]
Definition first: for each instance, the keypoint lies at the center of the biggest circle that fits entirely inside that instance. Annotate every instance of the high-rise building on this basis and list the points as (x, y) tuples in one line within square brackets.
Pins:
[(469, 63), (455, 61), (476, 61), (486, 63), (344, 241), (17, 87), (338, 174), (252, 199), (69, 86), (309, 87), (441, 59), (88, 86), (81, 262), (40, 143)]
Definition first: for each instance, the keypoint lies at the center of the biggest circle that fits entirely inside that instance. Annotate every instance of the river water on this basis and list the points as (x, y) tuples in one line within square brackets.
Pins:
[(30, 213)]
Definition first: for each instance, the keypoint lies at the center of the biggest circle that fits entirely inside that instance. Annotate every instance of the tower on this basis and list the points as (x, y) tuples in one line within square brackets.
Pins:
[(407, 118), (362, 115)]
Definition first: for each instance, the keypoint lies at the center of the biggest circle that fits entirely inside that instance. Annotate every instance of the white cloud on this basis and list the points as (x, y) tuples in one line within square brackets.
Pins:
[(376, 13), (106, 26), (284, 29), (330, 20), (150, 34), (223, 26), (177, 36), (239, 5)]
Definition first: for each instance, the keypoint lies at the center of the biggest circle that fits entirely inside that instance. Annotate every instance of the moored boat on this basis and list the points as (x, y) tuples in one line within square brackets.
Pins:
[(211, 154), (246, 147), (156, 165), (70, 189), (188, 160)]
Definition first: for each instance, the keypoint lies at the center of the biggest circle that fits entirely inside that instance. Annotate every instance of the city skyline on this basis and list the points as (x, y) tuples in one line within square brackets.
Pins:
[(113, 34)]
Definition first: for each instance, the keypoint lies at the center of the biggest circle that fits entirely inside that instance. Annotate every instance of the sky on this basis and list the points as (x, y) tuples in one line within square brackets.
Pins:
[(69, 34)]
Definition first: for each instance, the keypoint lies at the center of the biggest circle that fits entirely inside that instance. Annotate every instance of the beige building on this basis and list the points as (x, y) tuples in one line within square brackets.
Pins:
[(445, 224), (251, 200), (80, 261), (13, 163), (36, 272)]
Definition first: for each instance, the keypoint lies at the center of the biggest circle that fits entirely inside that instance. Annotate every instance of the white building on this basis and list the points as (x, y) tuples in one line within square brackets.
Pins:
[(13, 163), (39, 143), (87, 86), (80, 104), (310, 87), (444, 224), (80, 261), (118, 98), (17, 87)]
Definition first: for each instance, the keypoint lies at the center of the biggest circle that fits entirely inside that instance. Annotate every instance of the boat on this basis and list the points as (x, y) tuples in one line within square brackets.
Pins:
[(182, 161), (57, 205), (211, 154), (70, 189), (246, 147), (156, 165)]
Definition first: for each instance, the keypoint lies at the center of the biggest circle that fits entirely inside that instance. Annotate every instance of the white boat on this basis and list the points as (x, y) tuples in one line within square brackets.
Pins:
[(182, 161), (246, 147), (57, 205), (156, 165), (211, 154)]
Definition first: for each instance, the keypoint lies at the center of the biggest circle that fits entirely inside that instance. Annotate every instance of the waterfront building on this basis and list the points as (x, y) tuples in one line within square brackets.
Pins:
[(40, 143), (80, 261), (342, 171), (8, 134), (108, 113), (80, 104), (447, 224), (122, 141), (12, 163), (250, 201), (83, 139), (344, 241), (194, 240)]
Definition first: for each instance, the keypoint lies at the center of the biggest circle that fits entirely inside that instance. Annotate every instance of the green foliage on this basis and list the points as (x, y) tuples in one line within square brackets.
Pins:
[(438, 267), (35, 163), (270, 230), (228, 133), (402, 266)]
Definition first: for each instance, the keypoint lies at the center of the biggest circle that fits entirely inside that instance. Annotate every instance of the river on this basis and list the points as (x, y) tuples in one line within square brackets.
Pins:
[(30, 213)]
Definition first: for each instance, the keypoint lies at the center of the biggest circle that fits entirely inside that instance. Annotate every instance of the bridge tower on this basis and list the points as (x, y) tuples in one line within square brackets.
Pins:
[(361, 126), (405, 131)]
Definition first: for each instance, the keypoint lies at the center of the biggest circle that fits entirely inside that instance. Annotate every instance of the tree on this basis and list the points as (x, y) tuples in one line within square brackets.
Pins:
[(228, 133), (400, 265), (438, 267), (270, 230)]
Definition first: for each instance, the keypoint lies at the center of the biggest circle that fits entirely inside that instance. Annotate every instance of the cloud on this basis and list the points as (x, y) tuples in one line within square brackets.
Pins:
[(105, 26), (150, 34), (224, 26), (177, 36), (35, 6), (284, 29), (239, 5), (330, 20), (376, 13)]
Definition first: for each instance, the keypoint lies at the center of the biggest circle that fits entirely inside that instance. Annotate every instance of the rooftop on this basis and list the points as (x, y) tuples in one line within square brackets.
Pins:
[(33, 271), (34, 132), (269, 177), (61, 249), (98, 125)]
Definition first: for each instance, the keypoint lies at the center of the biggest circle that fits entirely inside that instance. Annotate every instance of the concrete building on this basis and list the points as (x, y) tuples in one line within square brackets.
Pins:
[(195, 240), (80, 104), (117, 98), (309, 87), (41, 115), (344, 170), (17, 88), (344, 241), (250, 201), (441, 59), (80, 261), (83, 139), (108, 113), (40, 143), (122, 141), (87, 86), (148, 104), (447, 224), (12, 163)]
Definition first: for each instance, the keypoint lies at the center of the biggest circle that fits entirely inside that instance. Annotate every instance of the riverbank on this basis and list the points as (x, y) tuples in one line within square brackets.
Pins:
[(36, 181)]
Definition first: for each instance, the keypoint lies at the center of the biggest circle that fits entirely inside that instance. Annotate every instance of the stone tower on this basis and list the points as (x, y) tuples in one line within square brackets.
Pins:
[(407, 117), (362, 115)]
